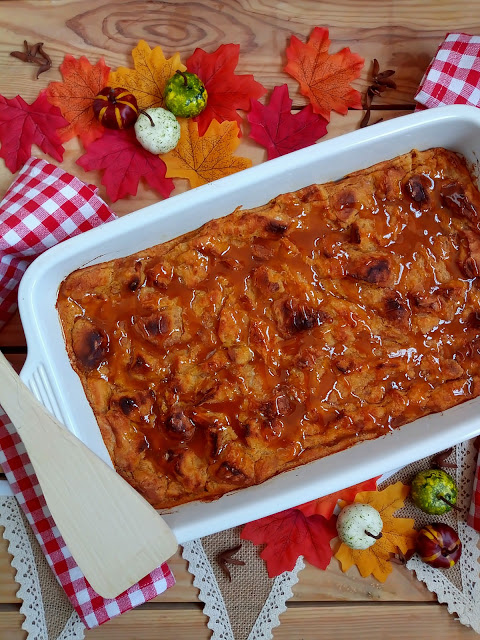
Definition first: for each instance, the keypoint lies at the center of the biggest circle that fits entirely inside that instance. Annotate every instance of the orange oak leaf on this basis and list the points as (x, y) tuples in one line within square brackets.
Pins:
[(326, 506), (202, 159), (325, 78), (397, 534), (148, 79), (74, 97)]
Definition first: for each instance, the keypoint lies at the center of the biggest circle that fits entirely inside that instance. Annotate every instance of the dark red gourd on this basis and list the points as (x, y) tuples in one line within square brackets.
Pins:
[(115, 108)]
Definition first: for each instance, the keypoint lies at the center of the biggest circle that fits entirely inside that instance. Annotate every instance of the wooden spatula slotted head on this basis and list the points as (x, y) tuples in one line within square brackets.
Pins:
[(114, 535)]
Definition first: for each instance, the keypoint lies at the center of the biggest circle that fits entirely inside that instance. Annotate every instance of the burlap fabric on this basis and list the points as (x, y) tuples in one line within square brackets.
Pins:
[(249, 606)]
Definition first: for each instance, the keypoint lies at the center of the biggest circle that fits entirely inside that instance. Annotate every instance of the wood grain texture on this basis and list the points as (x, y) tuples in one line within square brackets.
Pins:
[(341, 622), (11, 624), (8, 586), (402, 35)]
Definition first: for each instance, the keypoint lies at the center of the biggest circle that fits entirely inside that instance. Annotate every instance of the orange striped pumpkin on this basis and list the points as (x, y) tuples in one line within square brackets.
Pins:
[(115, 108)]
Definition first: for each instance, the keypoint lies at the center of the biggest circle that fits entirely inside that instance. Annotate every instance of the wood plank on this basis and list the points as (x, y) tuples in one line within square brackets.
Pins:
[(333, 585), (12, 334), (8, 586), (342, 622), (11, 625), (370, 622), (366, 621), (313, 586), (319, 586), (401, 35)]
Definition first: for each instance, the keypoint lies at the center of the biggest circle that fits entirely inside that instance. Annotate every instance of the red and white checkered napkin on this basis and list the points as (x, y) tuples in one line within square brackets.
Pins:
[(44, 206), (453, 77)]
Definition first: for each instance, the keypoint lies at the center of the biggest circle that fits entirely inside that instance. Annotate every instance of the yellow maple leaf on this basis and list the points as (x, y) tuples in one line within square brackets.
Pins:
[(202, 159), (152, 71), (397, 534)]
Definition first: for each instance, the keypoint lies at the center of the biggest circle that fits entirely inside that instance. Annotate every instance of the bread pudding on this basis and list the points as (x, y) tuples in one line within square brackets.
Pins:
[(276, 336)]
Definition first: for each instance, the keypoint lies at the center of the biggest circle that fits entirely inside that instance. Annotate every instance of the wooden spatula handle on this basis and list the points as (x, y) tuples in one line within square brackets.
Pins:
[(115, 536)]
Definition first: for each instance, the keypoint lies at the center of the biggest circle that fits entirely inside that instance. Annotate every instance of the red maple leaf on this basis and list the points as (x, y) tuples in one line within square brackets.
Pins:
[(22, 125), (226, 91), (290, 534), (280, 131), (124, 162), (325, 506)]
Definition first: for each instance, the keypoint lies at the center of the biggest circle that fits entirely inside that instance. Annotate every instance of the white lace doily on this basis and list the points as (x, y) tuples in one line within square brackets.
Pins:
[(27, 577), (210, 593), (459, 587)]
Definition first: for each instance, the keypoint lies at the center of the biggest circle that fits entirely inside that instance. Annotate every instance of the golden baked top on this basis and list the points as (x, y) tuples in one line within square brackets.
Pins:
[(279, 335)]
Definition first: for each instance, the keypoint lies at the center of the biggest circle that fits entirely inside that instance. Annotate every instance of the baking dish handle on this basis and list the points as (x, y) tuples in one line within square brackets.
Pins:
[(34, 375)]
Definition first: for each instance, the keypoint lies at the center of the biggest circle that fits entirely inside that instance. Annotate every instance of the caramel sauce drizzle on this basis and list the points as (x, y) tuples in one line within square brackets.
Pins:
[(382, 293)]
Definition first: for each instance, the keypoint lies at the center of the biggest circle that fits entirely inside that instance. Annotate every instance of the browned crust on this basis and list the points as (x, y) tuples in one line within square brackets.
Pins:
[(149, 381)]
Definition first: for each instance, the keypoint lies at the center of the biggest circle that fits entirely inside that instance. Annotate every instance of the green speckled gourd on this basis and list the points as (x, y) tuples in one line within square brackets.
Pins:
[(185, 95), (434, 491)]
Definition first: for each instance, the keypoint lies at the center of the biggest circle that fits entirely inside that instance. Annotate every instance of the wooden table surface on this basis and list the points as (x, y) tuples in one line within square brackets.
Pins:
[(402, 35)]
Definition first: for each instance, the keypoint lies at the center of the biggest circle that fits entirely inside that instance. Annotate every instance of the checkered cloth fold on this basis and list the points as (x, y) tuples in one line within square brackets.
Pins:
[(453, 77), (44, 206)]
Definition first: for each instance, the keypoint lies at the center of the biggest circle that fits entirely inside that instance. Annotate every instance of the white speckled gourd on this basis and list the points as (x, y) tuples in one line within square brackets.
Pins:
[(161, 136), (359, 526)]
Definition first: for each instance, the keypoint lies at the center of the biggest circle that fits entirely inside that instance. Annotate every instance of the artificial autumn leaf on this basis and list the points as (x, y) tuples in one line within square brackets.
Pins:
[(124, 162), (290, 534), (326, 506), (280, 131), (147, 81), (227, 92), (202, 159), (325, 78), (398, 534), (74, 96), (22, 125)]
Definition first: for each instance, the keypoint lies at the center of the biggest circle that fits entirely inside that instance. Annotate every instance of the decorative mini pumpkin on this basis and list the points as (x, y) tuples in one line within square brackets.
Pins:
[(185, 95), (359, 525), (115, 108), (434, 491), (438, 545), (157, 130)]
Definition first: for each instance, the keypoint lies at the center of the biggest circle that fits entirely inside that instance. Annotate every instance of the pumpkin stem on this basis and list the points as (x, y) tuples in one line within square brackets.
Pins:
[(148, 116), (450, 504), (184, 76), (112, 97), (372, 535)]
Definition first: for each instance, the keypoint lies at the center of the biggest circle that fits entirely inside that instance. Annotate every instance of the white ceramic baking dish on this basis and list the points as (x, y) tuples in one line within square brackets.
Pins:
[(48, 372)]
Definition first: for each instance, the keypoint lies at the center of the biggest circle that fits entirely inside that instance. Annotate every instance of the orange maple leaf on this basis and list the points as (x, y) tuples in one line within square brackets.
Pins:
[(397, 534), (74, 96), (147, 81), (206, 158), (325, 78)]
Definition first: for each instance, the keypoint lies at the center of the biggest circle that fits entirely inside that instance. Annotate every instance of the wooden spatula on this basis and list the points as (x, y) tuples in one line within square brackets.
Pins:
[(114, 535)]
